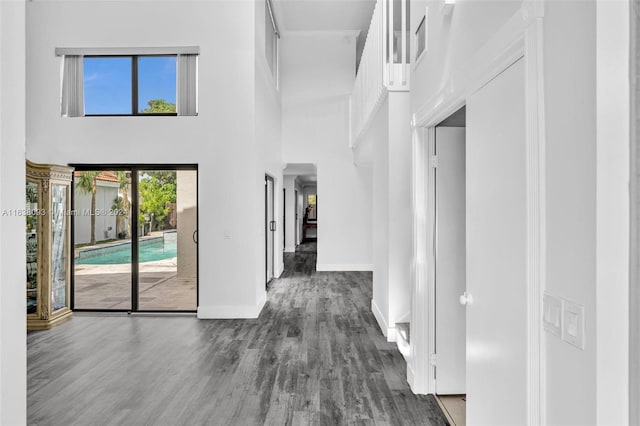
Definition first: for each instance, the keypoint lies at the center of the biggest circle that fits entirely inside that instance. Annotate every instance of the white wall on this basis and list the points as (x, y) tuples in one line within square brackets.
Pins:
[(399, 245), (575, 257), (570, 111), (13, 351), (221, 139), (452, 40), (317, 75), (390, 140), (268, 135), (379, 136)]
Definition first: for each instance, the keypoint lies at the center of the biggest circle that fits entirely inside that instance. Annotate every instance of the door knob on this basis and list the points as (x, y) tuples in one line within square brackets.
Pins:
[(466, 299)]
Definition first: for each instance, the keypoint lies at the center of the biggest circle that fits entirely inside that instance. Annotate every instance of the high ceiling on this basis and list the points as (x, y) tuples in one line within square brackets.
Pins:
[(325, 15)]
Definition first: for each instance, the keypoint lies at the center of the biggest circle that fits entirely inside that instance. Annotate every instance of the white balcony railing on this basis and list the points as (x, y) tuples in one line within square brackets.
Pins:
[(384, 64)]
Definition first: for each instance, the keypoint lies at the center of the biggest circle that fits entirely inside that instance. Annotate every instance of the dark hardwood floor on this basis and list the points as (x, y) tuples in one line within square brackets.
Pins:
[(315, 356)]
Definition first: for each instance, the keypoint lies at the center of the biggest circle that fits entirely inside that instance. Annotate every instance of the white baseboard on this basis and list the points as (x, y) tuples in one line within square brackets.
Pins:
[(289, 249), (411, 378), (343, 267), (389, 332), (232, 311), (280, 270)]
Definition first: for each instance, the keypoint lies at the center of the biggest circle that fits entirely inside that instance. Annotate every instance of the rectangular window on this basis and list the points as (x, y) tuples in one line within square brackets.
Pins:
[(421, 37), (130, 85), (271, 39), (129, 81), (156, 84), (107, 85)]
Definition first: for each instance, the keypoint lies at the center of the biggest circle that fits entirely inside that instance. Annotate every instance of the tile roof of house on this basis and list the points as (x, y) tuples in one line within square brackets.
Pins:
[(105, 176)]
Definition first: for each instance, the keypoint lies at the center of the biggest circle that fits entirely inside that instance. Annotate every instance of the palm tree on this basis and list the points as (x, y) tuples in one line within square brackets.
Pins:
[(124, 181), (87, 183)]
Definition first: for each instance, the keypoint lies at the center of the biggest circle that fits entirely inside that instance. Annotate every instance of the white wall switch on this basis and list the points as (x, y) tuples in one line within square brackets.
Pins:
[(552, 314), (573, 324)]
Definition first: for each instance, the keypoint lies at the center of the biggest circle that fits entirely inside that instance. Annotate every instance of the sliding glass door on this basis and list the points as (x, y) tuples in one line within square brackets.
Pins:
[(167, 251), (102, 239), (142, 261)]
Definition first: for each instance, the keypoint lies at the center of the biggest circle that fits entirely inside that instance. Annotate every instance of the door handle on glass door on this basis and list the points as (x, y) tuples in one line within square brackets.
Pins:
[(466, 299), (195, 236)]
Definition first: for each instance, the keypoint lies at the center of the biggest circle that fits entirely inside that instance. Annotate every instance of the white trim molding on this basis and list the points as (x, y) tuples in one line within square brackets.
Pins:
[(634, 267), (419, 372), (343, 267), (520, 37), (388, 332), (536, 223), (232, 311), (107, 51)]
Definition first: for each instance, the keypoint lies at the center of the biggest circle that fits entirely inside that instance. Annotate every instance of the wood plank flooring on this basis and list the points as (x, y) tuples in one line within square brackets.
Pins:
[(315, 356)]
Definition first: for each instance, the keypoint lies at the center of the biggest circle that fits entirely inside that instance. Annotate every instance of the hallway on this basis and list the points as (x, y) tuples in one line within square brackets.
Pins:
[(315, 356)]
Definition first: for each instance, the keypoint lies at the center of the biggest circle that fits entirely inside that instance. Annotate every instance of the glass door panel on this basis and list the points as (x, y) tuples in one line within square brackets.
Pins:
[(58, 247), (102, 239), (32, 247), (167, 240)]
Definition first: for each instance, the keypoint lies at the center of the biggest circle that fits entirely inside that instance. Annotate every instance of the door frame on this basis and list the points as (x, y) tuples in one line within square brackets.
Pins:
[(634, 213), (520, 37), (437, 235), (267, 228), (135, 274)]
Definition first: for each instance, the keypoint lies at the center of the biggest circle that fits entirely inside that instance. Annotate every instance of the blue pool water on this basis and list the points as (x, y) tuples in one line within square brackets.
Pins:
[(150, 250)]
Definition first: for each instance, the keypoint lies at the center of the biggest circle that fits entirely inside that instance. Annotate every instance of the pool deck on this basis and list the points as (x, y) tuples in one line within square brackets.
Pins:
[(109, 287)]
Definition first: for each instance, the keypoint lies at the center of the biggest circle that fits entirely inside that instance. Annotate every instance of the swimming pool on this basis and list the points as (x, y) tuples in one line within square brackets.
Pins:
[(149, 250)]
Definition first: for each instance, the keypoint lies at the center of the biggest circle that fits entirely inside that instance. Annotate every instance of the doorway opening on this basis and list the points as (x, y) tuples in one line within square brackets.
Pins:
[(301, 219), (134, 233), (310, 228), (450, 265)]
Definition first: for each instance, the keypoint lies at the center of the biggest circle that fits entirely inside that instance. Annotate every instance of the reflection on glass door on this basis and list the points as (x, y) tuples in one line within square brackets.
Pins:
[(102, 239), (167, 240), (59, 199)]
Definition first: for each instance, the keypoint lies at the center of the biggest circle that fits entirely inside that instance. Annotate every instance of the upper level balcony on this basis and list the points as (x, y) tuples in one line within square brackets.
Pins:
[(384, 65)]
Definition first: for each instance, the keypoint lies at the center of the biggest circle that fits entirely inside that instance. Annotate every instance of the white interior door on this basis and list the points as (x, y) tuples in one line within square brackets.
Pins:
[(450, 261), (270, 227), (496, 252)]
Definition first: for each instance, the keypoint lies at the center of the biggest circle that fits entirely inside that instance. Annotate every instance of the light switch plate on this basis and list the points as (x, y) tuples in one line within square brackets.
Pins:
[(573, 324), (552, 314)]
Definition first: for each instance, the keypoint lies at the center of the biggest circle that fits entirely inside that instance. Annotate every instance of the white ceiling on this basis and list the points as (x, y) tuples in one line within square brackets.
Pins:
[(296, 169), (305, 172), (307, 179), (325, 15)]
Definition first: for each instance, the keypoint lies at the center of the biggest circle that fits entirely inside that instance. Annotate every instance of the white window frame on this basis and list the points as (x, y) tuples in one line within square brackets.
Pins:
[(72, 84), (275, 69), (423, 22)]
